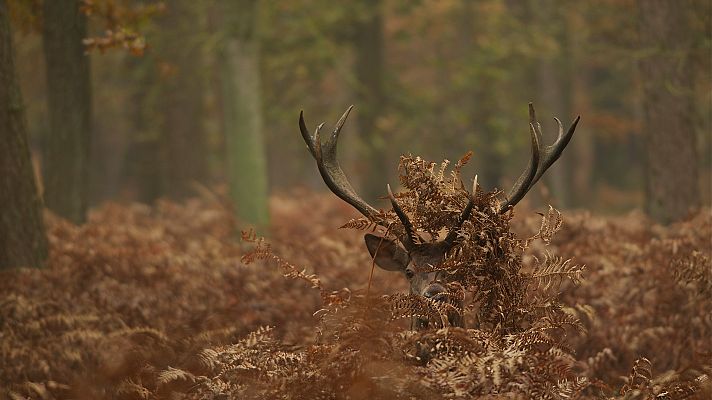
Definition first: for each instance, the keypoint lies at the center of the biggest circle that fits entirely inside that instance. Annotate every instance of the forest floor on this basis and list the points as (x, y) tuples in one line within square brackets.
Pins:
[(156, 302)]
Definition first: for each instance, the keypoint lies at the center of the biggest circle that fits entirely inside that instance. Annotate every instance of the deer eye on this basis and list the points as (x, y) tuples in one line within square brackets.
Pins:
[(409, 274)]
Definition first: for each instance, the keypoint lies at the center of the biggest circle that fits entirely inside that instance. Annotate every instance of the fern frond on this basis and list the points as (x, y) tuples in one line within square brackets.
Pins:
[(694, 269), (415, 306), (263, 251), (599, 361), (551, 223), (209, 358), (640, 376), (550, 273), (361, 224), (132, 390), (561, 320), (171, 375)]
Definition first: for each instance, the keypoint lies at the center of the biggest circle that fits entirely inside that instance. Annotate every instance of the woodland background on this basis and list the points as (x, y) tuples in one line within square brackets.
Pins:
[(141, 140), (184, 92)]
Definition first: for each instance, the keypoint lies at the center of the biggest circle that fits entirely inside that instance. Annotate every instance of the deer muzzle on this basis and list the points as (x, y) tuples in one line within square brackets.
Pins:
[(436, 291)]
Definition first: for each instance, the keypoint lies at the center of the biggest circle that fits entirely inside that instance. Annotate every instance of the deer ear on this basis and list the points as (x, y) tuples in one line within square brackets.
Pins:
[(388, 255)]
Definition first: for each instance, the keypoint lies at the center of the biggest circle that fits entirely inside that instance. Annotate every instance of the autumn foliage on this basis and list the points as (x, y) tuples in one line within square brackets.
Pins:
[(173, 301)]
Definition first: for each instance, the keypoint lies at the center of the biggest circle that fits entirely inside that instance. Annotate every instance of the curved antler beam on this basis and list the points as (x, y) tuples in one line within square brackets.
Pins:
[(329, 168), (540, 160)]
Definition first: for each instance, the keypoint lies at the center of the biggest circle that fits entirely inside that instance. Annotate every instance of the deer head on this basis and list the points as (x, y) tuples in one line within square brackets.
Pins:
[(409, 255)]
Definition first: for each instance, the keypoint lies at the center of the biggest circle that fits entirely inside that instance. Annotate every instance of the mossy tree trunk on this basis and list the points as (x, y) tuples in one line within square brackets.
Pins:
[(66, 147), (667, 78), (242, 108), (22, 236)]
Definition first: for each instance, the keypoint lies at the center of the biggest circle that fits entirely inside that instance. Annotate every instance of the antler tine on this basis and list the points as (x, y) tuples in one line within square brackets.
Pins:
[(308, 139), (552, 153), (329, 168), (521, 187), (545, 158), (464, 216), (408, 239)]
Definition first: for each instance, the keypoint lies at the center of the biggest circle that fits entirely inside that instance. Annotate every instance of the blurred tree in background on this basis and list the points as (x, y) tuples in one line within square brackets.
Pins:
[(667, 78), (22, 238), (66, 144), (207, 94), (369, 73), (180, 98), (242, 109)]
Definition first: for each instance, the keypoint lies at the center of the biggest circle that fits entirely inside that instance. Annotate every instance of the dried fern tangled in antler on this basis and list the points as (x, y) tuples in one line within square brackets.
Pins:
[(517, 343), (110, 335), (486, 260)]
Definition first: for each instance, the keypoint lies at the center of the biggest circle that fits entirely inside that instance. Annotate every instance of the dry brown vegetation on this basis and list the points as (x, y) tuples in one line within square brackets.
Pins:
[(143, 303)]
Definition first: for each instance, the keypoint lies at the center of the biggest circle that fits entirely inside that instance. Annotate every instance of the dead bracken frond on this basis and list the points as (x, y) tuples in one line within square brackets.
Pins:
[(552, 271), (263, 251), (154, 303), (362, 224), (171, 375), (551, 223), (694, 269)]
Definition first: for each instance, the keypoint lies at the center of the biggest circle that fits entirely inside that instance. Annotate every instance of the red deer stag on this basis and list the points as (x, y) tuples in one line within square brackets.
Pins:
[(416, 259)]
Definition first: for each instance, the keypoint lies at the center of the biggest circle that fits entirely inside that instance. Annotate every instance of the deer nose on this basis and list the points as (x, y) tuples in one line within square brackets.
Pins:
[(433, 290)]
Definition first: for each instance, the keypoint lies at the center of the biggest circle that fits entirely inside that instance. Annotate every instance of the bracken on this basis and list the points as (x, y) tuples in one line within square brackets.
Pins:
[(156, 303)]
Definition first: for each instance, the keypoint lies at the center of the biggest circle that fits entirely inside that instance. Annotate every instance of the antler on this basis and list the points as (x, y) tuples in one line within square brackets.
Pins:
[(464, 216), (541, 159), (409, 239), (338, 183), (329, 168)]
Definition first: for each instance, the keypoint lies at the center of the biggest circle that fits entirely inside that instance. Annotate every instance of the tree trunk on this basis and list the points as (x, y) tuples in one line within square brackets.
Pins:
[(671, 170), (369, 69), (242, 102), (143, 160), (481, 103), (552, 100), (582, 151), (551, 94), (183, 140), (22, 237), (66, 148)]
